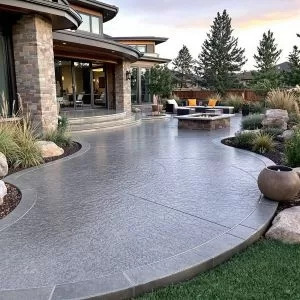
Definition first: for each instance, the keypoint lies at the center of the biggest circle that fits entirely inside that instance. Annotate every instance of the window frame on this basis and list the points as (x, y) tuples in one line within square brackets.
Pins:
[(100, 19)]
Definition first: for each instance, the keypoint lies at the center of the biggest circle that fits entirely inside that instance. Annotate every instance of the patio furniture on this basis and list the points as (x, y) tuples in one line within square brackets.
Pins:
[(192, 102), (79, 100), (171, 106), (183, 111)]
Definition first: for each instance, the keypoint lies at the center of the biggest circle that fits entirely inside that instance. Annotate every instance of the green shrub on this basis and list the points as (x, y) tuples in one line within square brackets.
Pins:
[(272, 131), (25, 136), (292, 150), (256, 108), (244, 139), (263, 143), (59, 136), (294, 119), (252, 122), (235, 101), (8, 146)]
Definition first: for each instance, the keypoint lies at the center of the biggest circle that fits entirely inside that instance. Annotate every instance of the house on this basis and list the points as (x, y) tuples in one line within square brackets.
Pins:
[(55, 55)]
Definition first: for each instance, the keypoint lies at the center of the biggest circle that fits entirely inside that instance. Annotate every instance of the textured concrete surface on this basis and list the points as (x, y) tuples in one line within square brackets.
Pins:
[(137, 204)]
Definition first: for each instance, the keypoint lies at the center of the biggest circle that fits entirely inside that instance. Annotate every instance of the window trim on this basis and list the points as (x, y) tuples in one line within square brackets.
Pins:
[(100, 18)]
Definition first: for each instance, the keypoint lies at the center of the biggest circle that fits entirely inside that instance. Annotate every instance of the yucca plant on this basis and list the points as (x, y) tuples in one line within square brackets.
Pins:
[(282, 99), (263, 142)]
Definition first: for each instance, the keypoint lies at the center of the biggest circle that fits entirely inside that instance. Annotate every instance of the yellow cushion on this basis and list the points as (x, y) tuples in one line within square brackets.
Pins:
[(212, 102), (192, 102)]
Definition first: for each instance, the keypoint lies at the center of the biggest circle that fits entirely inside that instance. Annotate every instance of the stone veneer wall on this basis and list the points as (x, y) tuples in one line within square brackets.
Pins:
[(203, 124), (123, 87), (34, 65)]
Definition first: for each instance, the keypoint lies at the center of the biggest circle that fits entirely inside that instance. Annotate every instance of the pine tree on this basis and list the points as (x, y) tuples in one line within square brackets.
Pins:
[(183, 64), (292, 77), (221, 57), (266, 58), (267, 53)]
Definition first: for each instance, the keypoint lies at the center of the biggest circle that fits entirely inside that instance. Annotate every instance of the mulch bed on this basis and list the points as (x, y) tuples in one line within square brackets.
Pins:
[(11, 200), (13, 197), (277, 157)]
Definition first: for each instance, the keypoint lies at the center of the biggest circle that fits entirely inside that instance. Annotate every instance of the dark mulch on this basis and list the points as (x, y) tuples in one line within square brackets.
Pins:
[(11, 200), (276, 155), (13, 197), (68, 150)]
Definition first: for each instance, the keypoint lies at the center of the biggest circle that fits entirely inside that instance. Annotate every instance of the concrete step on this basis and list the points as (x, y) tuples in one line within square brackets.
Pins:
[(97, 119), (109, 124)]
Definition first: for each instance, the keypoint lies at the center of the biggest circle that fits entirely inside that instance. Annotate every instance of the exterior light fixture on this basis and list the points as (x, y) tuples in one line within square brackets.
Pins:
[(62, 78), (128, 75)]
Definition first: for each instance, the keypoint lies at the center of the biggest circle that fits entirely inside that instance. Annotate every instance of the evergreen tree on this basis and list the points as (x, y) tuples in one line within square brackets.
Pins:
[(293, 76), (267, 56), (183, 64), (267, 53), (221, 57)]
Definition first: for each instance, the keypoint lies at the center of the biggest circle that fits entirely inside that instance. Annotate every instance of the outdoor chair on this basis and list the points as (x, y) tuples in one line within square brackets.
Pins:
[(171, 106), (212, 102), (79, 100), (192, 102)]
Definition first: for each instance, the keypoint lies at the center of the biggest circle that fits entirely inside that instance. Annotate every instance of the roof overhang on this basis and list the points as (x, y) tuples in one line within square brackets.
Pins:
[(90, 47), (156, 40), (158, 60), (62, 15), (108, 11)]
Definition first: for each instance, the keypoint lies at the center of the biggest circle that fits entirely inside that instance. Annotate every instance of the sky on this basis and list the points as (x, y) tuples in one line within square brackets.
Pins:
[(186, 22)]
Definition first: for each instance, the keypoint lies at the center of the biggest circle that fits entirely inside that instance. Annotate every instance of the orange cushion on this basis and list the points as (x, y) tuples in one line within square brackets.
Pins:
[(192, 102), (212, 102)]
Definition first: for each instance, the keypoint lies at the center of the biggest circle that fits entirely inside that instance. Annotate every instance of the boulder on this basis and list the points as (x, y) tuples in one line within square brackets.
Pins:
[(286, 226), (3, 165), (286, 135), (49, 149), (3, 191), (275, 118)]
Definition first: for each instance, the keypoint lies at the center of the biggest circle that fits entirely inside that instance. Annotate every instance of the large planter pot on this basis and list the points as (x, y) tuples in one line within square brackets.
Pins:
[(279, 183)]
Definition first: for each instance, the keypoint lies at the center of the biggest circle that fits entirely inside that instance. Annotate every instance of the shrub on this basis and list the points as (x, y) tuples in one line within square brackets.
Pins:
[(25, 136), (235, 101), (244, 139), (263, 143), (256, 108), (59, 136), (291, 150), (272, 131), (282, 100), (8, 146), (294, 119), (215, 96), (252, 122)]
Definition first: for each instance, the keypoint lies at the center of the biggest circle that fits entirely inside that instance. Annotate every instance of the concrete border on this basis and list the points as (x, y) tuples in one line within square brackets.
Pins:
[(183, 266)]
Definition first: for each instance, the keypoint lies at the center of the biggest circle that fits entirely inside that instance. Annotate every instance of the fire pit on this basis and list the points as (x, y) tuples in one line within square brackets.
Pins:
[(210, 120)]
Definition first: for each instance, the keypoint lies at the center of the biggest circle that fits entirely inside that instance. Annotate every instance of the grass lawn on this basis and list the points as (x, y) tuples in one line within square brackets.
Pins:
[(266, 270)]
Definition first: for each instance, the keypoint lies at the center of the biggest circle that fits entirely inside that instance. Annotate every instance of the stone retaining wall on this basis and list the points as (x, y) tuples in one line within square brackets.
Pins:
[(203, 124)]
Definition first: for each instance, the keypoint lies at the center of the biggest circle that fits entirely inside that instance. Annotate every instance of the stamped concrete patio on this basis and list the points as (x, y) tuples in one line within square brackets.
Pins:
[(136, 208)]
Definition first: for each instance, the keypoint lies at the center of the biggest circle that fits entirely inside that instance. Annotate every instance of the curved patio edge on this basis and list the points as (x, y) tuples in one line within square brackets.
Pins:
[(183, 266), (29, 195)]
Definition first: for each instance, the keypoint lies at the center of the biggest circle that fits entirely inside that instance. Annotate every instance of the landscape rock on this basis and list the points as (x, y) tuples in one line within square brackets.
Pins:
[(275, 118), (256, 131), (286, 226), (3, 165), (136, 110), (3, 191), (49, 149), (286, 135)]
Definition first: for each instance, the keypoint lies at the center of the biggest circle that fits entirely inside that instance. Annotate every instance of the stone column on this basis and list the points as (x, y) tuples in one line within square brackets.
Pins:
[(123, 87), (34, 65)]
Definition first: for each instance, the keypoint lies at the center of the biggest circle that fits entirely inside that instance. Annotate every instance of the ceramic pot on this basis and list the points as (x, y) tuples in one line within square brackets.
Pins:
[(279, 183)]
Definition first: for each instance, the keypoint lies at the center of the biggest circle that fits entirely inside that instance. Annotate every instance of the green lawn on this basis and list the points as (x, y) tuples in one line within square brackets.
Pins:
[(266, 270)]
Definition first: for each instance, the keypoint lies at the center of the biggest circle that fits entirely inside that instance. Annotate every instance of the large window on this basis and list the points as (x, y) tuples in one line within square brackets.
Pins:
[(91, 24), (141, 48)]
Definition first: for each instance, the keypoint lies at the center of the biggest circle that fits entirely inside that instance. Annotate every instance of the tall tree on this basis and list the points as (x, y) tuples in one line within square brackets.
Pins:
[(221, 57), (183, 65), (293, 76), (266, 59), (267, 53)]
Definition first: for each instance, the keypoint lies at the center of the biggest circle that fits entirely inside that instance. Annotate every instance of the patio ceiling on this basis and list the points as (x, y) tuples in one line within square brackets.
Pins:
[(82, 46)]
